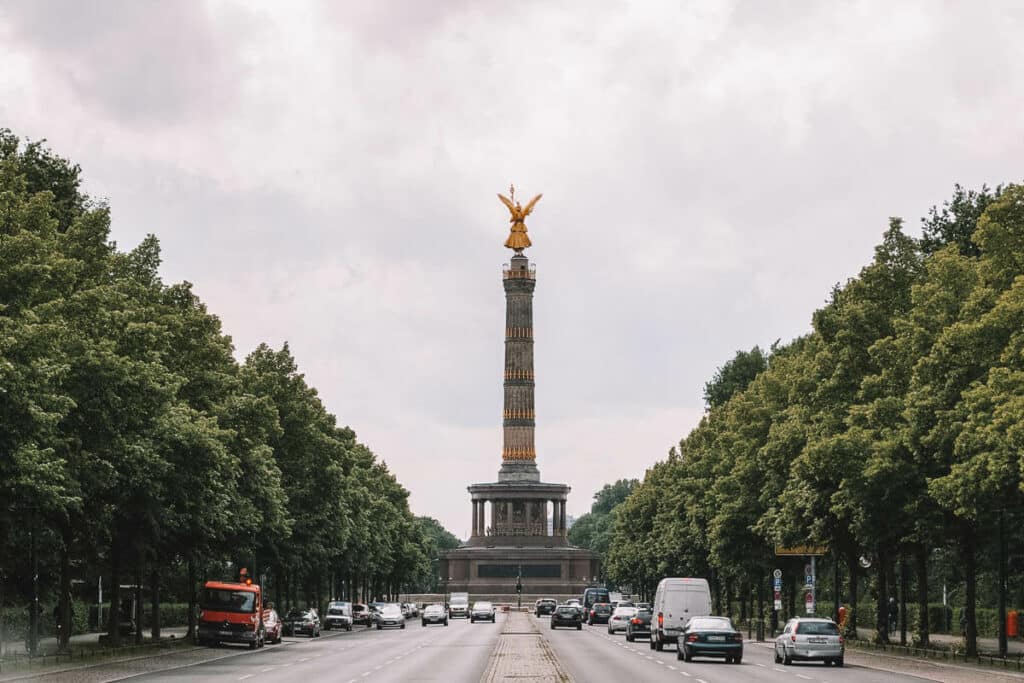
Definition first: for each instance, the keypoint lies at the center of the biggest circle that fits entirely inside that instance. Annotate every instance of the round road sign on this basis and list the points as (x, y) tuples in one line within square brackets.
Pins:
[(777, 573)]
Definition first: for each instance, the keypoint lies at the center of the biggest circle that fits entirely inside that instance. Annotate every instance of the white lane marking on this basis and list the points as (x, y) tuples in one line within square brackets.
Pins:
[(775, 668), (659, 661), (685, 674), (649, 657), (304, 659), (760, 665), (671, 667), (701, 680), (242, 678), (269, 668), (806, 678)]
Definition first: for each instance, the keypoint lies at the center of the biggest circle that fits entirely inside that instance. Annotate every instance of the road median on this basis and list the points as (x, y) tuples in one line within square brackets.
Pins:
[(522, 652)]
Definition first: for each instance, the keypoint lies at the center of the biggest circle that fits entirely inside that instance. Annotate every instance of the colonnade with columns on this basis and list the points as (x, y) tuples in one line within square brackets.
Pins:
[(519, 517)]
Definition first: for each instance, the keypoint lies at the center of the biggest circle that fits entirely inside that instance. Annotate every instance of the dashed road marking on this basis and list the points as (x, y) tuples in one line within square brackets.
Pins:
[(806, 678), (242, 678), (671, 667), (760, 665)]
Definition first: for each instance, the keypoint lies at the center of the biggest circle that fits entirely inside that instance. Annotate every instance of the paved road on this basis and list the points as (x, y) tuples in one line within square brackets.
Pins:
[(458, 653), (593, 655)]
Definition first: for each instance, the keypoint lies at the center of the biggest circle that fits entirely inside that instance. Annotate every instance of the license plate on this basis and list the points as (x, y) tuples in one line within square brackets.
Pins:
[(224, 633), (716, 639), (817, 640)]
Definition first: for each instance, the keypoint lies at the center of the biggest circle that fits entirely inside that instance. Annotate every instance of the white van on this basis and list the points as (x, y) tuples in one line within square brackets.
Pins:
[(675, 603)]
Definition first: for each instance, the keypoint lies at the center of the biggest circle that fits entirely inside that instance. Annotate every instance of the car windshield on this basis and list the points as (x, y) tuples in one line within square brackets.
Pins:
[(600, 607), (336, 610), (482, 605), (390, 610), (625, 611), (434, 608), (300, 614), (710, 624), (569, 609), (644, 612), (817, 628), (225, 600)]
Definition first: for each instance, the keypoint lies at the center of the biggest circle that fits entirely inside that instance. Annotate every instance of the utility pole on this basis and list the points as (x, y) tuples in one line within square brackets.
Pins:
[(519, 588)]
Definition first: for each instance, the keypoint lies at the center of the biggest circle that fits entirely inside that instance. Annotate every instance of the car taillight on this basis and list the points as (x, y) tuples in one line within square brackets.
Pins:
[(661, 619), (793, 637), (841, 641), (738, 637), (593, 612), (692, 638), (634, 621)]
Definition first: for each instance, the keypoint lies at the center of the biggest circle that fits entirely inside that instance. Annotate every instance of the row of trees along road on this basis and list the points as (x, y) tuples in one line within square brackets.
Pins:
[(135, 449), (893, 432)]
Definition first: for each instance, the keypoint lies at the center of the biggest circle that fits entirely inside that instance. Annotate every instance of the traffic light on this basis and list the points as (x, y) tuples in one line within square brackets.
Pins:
[(519, 586)]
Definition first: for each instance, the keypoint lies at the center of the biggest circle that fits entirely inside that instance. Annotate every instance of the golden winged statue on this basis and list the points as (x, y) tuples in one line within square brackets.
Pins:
[(517, 239)]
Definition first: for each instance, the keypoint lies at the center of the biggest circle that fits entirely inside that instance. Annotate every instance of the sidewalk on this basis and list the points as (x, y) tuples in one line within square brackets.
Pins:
[(986, 646), (48, 644)]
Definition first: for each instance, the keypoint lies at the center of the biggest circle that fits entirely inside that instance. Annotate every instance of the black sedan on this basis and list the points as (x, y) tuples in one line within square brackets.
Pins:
[(305, 621), (567, 615), (600, 613), (544, 606), (710, 637), (640, 625)]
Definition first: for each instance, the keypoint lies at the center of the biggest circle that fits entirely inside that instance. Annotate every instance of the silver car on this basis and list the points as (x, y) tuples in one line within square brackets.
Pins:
[(482, 611), (619, 619), (807, 639)]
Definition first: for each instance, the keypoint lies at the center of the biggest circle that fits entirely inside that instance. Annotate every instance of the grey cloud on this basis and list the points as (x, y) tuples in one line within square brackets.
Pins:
[(141, 63)]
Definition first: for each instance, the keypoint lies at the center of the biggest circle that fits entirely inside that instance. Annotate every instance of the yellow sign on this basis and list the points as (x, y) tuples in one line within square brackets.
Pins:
[(801, 550)]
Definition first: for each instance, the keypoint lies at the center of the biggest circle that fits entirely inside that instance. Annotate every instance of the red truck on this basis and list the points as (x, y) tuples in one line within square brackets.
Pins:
[(231, 613)]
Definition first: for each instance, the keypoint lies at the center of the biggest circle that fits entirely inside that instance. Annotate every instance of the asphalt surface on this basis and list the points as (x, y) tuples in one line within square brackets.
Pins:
[(457, 653), (593, 655), (518, 647)]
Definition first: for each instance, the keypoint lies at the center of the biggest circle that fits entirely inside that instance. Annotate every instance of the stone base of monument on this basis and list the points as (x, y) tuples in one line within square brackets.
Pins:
[(518, 471)]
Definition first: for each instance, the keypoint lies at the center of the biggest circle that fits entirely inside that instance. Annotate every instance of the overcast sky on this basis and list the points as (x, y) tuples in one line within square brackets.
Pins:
[(325, 173)]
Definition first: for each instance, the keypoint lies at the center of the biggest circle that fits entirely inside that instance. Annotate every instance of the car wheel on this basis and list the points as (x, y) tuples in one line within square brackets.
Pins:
[(445, 622), (252, 645), (349, 627), (579, 627), (651, 643), (839, 662), (778, 659), (327, 627), (403, 625), (737, 660), (659, 646), (786, 659), (552, 626), (687, 656), (379, 627), (423, 623), (679, 653)]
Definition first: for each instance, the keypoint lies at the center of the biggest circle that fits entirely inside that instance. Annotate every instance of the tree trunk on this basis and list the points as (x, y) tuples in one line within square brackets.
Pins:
[(154, 596), (191, 635), (837, 585), (903, 598), (64, 612), (852, 566), (970, 592), (114, 617), (882, 604), (921, 560), (139, 573)]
